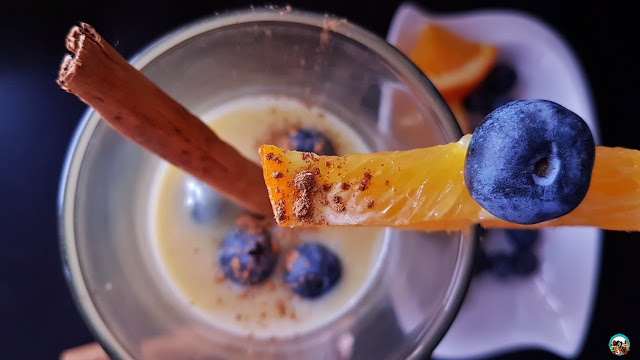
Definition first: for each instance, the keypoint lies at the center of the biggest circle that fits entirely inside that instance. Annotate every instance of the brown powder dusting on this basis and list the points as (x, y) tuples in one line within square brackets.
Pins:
[(269, 156), (329, 25), (281, 212), (386, 182), (345, 186), (254, 225), (326, 187), (327, 164), (365, 181), (270, 286), (370, 204), (245, 294), (316, 171), (302, 208), (276, 175), (281, 307), (308, 157), (305, 183), (338, 204)]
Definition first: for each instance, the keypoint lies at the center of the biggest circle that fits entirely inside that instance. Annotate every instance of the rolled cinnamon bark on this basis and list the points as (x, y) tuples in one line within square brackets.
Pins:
[(139, 110), (92, 351)]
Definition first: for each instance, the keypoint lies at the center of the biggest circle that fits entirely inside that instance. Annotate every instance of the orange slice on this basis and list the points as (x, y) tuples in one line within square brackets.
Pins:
[(424, 189), (454, 64)]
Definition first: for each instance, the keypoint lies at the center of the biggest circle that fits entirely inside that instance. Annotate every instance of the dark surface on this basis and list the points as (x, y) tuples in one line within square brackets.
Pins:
[(37, 316)]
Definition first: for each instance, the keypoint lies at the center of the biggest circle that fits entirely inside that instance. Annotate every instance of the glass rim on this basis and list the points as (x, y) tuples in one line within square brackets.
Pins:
[(89, 121)]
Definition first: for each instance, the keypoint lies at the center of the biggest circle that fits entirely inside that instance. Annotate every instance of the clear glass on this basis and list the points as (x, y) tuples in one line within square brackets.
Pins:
[(332, 64)]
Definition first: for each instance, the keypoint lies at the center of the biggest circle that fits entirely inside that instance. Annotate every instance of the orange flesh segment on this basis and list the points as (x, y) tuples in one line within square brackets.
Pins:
[(423, 189), (454, 64)]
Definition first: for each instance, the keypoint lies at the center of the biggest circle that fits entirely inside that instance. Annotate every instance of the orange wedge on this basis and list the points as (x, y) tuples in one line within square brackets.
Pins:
[(454, 64), (424, 189)]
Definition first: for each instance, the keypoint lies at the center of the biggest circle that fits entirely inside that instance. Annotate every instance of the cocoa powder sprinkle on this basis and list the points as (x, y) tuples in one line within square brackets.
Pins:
[(281, 212), (305, 183), (276, 175), (219, 277), (339, 206), (302, 208), (370, 204), (282, 308), (365, 181)]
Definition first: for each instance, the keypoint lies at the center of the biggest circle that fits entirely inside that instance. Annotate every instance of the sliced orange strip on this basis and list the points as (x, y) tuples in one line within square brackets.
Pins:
[(454, 64), (424, 189)]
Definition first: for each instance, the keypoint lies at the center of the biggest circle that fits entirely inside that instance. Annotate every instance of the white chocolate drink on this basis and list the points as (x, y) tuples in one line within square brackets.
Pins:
[(187, 247)]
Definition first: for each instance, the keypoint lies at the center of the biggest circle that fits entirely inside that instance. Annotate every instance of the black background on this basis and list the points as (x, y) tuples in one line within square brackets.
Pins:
[(37, 316)]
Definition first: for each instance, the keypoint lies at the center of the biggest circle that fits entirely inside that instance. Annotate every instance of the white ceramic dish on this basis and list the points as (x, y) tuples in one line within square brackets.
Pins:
[(550, 310)]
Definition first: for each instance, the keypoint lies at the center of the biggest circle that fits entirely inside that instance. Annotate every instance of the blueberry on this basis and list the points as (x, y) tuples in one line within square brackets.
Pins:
[(202, 203), (524, 263), (522, 240), (310, 141), (500, 80), (311, 270), (501, 264), (530, 161), (247, 255)]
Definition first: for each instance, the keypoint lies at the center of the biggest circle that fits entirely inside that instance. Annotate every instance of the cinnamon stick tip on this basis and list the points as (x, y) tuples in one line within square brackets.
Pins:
[(66, 72), (74, 42)]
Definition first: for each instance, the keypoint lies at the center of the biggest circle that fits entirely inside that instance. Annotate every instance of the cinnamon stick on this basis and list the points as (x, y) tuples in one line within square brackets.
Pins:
[(139, 110), (92, 351)]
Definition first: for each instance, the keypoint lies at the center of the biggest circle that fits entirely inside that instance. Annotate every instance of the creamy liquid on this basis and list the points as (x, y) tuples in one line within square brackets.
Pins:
[(187, 251)]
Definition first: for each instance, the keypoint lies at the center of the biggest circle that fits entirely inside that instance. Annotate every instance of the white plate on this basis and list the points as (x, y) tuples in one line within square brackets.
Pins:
[(550, 310)]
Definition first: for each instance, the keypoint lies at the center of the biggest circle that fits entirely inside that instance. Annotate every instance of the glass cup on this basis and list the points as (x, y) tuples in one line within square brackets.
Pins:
[(104, 202)]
